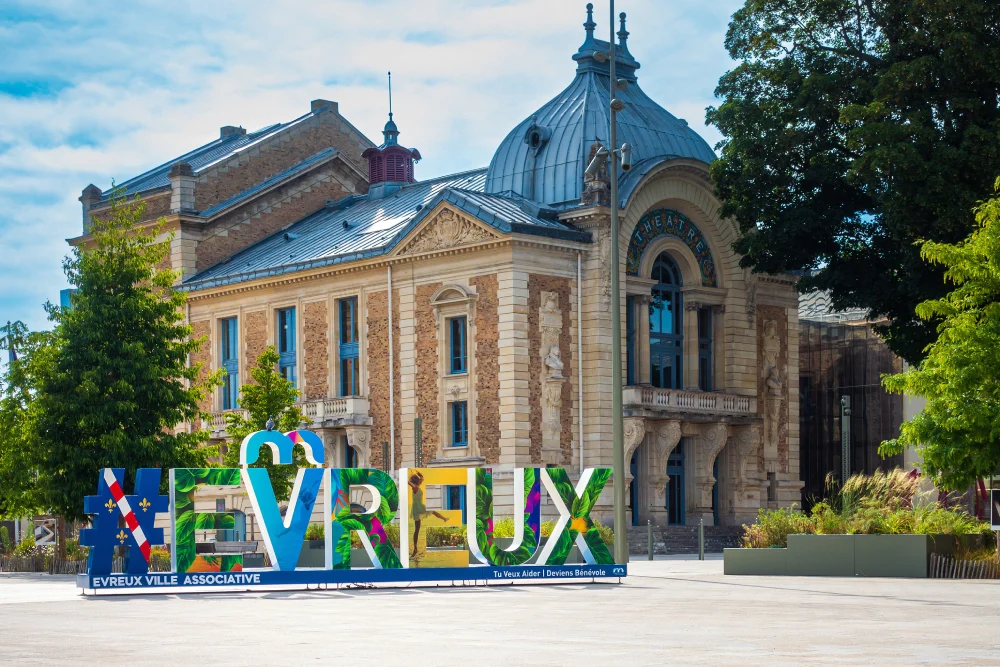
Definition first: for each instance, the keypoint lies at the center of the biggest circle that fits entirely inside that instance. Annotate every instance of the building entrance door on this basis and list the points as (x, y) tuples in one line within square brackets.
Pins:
[(675, 488)]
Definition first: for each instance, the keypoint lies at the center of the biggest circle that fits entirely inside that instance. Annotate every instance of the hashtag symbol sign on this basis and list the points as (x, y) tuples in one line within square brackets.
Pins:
[(111, 507)]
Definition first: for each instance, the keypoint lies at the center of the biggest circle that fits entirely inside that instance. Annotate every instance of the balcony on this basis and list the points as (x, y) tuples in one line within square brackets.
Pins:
[(654, 402), (326, 412)]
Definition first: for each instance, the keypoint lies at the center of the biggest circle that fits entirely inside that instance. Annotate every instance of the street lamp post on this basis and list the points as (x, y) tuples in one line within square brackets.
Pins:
[(618, 435)]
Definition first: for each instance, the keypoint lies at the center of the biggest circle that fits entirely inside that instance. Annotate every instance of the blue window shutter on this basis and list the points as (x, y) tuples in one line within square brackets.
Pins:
[(229, 357), (349, 351), (457, 341), (287, 345), (459, 424)]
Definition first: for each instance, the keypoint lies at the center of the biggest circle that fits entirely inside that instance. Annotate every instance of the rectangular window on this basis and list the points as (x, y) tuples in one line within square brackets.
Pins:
[(286, 344), (349, 369), (454, 499), (459, 424), (705, 349), (229, 359), (456, 342)]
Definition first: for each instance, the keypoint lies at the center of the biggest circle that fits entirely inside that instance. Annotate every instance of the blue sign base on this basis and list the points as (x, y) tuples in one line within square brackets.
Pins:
[(309, 577)]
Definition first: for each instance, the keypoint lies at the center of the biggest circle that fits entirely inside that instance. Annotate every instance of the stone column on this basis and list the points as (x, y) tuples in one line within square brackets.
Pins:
[(718, 348), (691, 345), (642, 343), (710, 442), (667, 435)]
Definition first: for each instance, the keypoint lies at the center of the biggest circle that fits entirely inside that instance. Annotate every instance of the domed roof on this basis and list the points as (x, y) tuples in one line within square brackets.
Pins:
[(544, 157)]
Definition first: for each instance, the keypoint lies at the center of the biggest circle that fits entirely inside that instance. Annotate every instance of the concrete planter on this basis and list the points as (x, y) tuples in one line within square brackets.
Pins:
[(313, 554), (846, 555)]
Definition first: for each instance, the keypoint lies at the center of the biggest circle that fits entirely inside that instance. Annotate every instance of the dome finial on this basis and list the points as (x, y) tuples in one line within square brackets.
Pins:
[(590, 25), (623, 35), (390, 80), (390, 132)]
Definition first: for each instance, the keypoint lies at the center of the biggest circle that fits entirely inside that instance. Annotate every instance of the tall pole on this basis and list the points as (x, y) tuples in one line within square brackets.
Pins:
[(618, 435)]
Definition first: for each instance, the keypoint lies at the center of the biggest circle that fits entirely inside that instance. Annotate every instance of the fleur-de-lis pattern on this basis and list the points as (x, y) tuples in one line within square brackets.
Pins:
[(122, 536), (144, 504), (110, 505)]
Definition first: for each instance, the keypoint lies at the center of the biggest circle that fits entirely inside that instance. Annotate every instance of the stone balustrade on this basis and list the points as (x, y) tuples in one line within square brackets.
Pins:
[(677, 400), (350, 409)]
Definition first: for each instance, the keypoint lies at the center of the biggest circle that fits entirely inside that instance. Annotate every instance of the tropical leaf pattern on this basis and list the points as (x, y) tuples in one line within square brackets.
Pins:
[(346, 518), (187, 521), (580, 522), (531, 517)]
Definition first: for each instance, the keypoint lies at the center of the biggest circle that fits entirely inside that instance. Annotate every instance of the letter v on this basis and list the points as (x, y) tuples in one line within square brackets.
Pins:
[(283, 536)]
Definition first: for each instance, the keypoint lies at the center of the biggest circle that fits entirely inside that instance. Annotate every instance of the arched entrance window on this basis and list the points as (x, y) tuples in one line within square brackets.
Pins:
[(666, 338)]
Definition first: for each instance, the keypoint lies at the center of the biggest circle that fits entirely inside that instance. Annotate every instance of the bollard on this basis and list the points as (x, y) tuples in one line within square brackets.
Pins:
[(701, 539), (649, 537)]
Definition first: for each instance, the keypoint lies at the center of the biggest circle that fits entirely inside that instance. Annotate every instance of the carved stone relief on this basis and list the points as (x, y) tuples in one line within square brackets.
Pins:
[(604, 248), (713, 440), (635, 431), (550, 322), (360, 439), (596, 188), (774, 386), (668, 435), (445, 230)]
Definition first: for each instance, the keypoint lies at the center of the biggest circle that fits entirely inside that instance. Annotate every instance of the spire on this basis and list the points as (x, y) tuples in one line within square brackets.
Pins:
[(623, 37), (590, 25), (390, 132)]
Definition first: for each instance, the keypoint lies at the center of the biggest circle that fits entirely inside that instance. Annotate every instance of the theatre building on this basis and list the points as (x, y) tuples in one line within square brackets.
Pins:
[(465, 320)]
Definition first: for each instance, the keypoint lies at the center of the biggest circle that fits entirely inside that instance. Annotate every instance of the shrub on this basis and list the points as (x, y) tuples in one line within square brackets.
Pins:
[(315, 531), (76, 552), (877, 504), (773, 528), (5, 543)]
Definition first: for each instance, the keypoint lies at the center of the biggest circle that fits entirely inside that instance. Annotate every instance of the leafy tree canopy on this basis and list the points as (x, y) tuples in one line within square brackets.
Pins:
[(853, 129), (958, 432), (117, 383), (19, 384), (267, 396)]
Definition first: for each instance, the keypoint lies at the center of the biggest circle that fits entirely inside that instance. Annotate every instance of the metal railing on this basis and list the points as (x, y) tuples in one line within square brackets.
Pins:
[(689, 401)]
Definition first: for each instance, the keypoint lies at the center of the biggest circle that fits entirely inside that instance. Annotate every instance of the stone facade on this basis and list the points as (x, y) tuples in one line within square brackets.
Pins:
[(316, 346), (487, 353), (377, 322), (255, 334)]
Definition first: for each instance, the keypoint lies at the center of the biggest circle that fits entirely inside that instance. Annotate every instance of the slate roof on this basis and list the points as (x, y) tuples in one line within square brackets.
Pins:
[(375, 226), (578, 116)]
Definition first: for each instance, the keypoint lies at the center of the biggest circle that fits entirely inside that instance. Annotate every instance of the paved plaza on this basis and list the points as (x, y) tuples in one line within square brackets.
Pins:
[(681, 612)]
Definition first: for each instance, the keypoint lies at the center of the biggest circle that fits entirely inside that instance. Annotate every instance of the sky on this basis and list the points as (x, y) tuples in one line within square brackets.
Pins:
[(95, 92)]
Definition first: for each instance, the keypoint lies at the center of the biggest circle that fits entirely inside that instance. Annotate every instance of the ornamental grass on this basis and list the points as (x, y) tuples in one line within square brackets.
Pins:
[(884, 503)]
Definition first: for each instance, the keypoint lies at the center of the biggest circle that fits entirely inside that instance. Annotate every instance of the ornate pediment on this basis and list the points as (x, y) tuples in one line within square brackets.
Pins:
[(446, 229)]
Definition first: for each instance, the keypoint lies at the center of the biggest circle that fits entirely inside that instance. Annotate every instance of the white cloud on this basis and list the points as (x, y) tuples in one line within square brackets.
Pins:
[(118, 88)]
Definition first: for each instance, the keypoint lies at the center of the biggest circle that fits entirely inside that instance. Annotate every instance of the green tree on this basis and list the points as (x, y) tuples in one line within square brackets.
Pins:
[(958, 432), (19, 383), (268, 396), (118, 383), (853, 129)]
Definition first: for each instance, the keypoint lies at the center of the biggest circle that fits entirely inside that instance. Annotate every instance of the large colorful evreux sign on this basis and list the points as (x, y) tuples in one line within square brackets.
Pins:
[(283, 534)]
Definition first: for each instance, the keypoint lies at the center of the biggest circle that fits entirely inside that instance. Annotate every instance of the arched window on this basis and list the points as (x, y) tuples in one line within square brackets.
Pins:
[(666, 325)]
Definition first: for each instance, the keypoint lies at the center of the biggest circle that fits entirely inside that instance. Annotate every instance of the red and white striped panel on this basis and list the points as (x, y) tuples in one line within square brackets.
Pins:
[(126, 510)]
